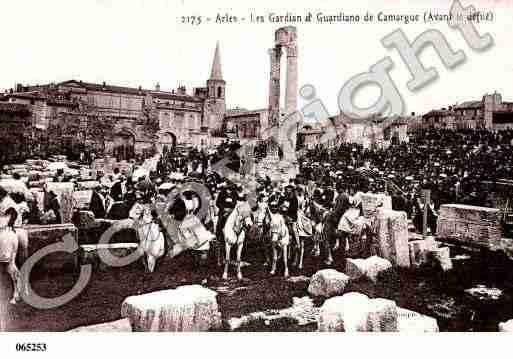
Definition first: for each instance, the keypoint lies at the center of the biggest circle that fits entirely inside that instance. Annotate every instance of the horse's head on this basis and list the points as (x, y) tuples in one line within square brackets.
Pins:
[(245, 215)]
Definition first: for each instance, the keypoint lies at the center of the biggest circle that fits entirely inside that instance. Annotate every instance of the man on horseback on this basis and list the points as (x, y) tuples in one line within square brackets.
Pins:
[(289, 206), (279, 233), (225, 202), (262, 219)]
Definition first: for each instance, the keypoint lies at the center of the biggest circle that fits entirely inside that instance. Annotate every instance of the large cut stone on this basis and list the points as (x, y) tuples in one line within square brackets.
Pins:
[(118, 326), (392, 237), (484, 294), (409, 321), (327, 283), (382, 315), (355, 312), (376, 266), (441, 257), (369, 268), (419, 251), (355, 268), (348, 313), (506, 326), (41, 236), (187, 308), (470, 224), (93, 253)]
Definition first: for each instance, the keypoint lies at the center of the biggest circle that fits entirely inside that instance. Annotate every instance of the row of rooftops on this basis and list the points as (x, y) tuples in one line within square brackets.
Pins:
[(53, 90)]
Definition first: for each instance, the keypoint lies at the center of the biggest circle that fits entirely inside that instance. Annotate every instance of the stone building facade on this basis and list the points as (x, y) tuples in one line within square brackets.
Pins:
[(246, 124), (491, 113), (375, 131), (125, 121), (15, 131)]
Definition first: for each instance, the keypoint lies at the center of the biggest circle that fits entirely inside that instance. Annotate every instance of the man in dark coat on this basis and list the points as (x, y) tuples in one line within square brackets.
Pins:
[(118, 189), (226, 201), (55, 207), (97, 204)]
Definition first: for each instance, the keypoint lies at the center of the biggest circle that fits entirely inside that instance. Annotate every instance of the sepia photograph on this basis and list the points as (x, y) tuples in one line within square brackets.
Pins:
[(185, 166)]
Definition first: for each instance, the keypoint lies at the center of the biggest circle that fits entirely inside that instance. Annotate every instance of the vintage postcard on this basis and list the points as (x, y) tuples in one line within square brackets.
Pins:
[(194, 166)]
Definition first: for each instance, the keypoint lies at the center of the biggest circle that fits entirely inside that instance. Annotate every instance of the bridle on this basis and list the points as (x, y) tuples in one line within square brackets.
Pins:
[(240, 218)]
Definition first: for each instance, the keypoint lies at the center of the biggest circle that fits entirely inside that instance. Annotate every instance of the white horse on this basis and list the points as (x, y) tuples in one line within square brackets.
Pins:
[(280, 237), (151, 238), (238, 222)]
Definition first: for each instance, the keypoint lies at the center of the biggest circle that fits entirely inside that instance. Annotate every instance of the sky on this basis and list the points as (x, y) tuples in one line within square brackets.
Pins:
[(142, 42)]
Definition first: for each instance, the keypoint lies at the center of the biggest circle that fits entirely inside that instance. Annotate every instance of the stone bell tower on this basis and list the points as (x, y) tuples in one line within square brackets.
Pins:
[(215, 104)]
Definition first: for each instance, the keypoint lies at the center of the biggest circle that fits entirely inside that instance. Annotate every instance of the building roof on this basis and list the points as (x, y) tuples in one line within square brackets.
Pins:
[(29, 95), (469, 104), (432, 113), (40, 94), (216, 73), (104, 87), (164, 95), (235, 112)]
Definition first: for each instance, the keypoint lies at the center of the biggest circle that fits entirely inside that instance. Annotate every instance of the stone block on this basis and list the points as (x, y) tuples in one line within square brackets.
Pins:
[(409, 321), (441, 257), (355, 268), (392, 237), (187, 308), (419, 252), (41, 236), (92, 254), (118, 326), (376, 266), (382, 315), (369, 268), (470, 224), (506, 326), (348, 313), (328, 283), (355, 312)]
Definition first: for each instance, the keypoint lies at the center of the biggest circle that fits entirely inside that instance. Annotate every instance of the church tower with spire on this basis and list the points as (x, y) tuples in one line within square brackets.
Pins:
[(215, 104)]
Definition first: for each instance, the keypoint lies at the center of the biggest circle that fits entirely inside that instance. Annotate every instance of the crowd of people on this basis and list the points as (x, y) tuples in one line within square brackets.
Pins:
[(322, 203), (453, 165)]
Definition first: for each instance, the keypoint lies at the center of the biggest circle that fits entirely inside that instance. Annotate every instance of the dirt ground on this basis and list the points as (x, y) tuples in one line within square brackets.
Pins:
[(429, 292)]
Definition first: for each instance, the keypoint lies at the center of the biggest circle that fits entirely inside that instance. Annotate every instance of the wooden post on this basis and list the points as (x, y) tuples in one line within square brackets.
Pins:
[(426, 196)]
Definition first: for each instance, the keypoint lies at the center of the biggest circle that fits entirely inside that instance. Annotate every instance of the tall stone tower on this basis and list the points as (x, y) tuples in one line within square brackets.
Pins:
[(284, 121), (491, 103), (215, 104), (284, 124)]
